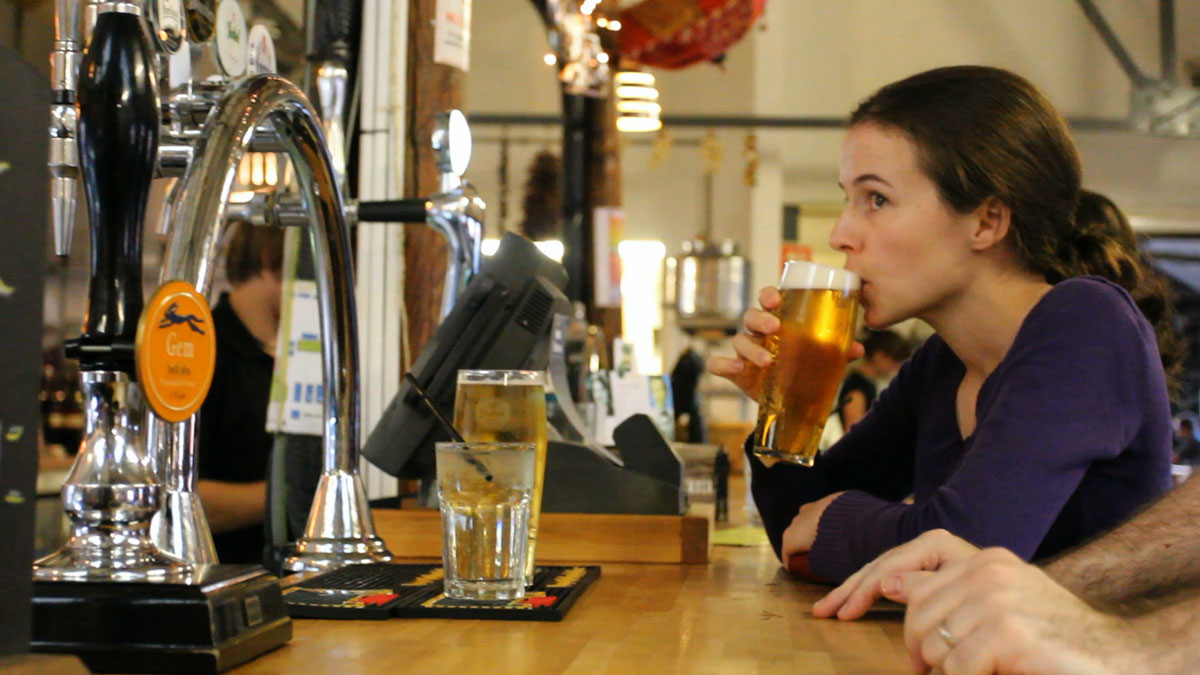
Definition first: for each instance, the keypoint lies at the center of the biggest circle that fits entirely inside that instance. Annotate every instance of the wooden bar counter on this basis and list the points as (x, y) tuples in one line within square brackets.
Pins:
[(737, 614)]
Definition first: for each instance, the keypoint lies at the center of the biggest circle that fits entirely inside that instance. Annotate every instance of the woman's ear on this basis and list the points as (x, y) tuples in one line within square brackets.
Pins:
[(991, 223)]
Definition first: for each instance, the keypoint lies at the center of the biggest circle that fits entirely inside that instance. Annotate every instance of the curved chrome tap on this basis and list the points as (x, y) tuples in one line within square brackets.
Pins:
[(340, 529), (456, 211)]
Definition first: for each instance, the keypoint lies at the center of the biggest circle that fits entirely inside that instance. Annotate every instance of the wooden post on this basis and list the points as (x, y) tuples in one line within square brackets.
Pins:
[(604, 172), (432, 88)]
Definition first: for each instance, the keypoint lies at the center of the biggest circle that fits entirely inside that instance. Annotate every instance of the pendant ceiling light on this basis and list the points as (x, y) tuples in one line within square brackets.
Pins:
[(637, 102)]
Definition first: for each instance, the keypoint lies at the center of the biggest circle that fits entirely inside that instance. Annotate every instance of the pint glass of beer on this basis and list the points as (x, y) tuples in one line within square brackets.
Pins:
[(507, 406), (817, 314)]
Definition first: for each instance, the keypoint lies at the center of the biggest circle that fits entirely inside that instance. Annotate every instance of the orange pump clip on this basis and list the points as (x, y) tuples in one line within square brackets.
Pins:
[(176, 351)]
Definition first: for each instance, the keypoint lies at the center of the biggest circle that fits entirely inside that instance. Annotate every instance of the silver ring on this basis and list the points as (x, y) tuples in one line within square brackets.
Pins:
[(946, 635)]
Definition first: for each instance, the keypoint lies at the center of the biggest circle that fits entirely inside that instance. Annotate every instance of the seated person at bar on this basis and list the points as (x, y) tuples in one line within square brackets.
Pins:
[(233, 444), (1037, 415), (883, 352)]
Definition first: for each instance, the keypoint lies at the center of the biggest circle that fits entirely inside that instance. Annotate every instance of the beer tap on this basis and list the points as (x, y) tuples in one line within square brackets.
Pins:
[(329, 54), (456, 210), (64, 156), (340, 529), (112, 491)]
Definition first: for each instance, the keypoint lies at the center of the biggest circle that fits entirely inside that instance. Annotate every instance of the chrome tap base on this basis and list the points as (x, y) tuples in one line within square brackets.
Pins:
[(340, 529), (315, 555), (109, 553), (111, 494), (181, 528)]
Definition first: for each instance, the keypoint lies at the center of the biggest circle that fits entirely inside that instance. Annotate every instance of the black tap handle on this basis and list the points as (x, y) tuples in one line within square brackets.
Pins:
[(394, 211), (118, 139), (201, 19), (334, 28)]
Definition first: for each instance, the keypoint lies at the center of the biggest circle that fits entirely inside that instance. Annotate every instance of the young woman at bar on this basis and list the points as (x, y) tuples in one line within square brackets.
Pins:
[(1038, 414)]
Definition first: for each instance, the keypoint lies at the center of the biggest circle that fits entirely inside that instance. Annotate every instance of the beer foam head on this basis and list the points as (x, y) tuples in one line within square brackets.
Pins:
[(801, 274)]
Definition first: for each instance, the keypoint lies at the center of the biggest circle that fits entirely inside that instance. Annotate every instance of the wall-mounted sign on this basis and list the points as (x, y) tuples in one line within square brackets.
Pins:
[(452, 33)]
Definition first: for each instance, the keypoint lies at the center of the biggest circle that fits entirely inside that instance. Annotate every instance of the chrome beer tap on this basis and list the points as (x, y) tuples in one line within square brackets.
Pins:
[(340, 528), (457, 211), (329, 38), (330, 80), (64, 156), (113, 491)]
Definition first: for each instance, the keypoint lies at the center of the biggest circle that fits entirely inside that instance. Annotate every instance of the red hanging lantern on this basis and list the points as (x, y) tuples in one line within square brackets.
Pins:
[(677, 33)]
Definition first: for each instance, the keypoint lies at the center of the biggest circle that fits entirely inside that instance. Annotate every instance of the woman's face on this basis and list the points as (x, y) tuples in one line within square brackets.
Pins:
[(911, 249)]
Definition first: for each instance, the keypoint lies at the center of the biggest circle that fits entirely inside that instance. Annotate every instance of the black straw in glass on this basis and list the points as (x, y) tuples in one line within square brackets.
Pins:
[(487, 475)]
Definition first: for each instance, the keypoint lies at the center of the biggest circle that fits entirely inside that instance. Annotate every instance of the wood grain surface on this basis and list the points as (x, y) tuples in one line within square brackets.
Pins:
[(738, 614), (568, 537)]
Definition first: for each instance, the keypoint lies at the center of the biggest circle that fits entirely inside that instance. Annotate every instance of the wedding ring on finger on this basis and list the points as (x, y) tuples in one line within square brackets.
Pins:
[(946, 635)]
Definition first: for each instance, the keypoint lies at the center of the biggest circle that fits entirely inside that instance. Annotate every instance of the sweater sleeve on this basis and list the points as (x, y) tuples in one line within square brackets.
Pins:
[(874, 456), (1066, 395)]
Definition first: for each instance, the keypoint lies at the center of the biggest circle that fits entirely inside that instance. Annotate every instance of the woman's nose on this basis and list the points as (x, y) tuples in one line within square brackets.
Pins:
[(843, 237)]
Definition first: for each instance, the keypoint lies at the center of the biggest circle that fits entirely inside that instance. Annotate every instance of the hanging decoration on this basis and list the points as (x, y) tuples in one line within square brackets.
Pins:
[(543, 198), (710, 152), (750, 154), (502, 178), (678, 33), (660, 149)]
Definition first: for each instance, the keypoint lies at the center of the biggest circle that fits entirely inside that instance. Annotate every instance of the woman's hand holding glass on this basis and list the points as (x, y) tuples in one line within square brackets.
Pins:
[(746, 369)]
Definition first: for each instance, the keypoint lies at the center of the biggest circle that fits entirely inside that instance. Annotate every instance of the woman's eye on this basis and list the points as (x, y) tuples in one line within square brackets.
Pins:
[(877, 200)]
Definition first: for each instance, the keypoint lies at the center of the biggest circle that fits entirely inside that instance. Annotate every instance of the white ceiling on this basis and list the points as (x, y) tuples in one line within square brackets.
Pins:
[(818, 58)]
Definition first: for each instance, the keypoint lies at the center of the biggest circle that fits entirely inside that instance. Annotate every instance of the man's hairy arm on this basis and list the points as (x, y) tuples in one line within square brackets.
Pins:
[(1153, 553)]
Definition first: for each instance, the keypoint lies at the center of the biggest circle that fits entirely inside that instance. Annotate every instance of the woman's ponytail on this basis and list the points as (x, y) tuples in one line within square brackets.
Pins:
[(1103, 244)]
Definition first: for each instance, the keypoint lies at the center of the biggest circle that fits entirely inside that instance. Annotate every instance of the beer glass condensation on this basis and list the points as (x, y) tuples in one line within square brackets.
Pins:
[(507, 406), (817, 315)]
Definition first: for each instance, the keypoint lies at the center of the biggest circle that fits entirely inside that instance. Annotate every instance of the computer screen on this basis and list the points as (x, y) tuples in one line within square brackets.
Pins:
[(502, 321)]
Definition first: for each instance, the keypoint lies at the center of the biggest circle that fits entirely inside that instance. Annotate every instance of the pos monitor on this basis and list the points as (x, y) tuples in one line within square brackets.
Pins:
[(501, 321)]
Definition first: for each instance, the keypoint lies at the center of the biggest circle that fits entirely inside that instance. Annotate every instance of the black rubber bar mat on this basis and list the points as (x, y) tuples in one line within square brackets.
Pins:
[(384, 590)]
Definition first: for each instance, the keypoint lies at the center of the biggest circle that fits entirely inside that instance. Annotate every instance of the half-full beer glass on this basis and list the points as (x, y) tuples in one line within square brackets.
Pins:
[(817, 314), (507, 406)]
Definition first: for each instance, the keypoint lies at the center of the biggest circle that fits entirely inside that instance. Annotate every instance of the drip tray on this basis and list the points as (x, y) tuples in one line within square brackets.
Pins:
[(385, 590)]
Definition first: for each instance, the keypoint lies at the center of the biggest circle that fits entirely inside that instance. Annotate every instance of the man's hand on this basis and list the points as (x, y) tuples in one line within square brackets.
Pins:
[(993, 613), (799, 536), (882, 576)]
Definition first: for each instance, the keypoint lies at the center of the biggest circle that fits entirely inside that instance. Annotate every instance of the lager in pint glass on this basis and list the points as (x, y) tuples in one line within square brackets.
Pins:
[(507, 406), (817, 315)]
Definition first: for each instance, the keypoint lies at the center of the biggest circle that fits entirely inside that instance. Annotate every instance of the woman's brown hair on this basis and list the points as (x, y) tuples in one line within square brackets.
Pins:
[(1106, 246), (983, 133)]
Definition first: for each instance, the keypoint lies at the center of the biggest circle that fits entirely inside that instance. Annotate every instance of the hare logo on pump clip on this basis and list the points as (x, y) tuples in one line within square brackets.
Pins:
[(176, 351)]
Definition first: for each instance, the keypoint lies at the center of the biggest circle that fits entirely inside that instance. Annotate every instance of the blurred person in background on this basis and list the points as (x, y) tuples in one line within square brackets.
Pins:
[(883, 352), (1187, 448), (233, 445)]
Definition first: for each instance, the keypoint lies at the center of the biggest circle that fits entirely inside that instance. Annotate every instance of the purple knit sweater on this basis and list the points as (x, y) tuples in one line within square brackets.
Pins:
[(1072, 435)]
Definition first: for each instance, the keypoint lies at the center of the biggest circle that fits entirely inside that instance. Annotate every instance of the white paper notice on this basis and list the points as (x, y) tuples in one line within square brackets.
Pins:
[(452, 33), (298, 401)]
